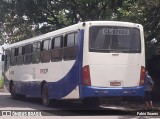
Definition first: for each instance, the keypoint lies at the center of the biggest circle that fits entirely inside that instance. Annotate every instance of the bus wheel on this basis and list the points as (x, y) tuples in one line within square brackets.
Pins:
[(13, 91), (45, 98), (91, 102)]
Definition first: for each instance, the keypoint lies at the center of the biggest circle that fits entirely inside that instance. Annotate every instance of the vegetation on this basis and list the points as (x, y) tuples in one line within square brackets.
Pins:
[(22, 19)]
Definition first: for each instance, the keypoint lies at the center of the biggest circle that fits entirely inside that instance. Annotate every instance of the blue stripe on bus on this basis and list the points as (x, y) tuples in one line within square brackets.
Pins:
[(66, 85), (90, 91)]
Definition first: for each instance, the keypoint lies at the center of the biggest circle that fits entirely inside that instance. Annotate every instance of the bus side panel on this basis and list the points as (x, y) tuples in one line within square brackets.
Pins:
[(61, 88), (64, 87)]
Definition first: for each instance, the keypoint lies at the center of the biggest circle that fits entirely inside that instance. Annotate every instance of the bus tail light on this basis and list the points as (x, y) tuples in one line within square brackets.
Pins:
[(86, 76), (142, 76)]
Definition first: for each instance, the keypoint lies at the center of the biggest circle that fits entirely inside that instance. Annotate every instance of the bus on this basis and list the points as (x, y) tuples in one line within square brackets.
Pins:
[(86, 61)]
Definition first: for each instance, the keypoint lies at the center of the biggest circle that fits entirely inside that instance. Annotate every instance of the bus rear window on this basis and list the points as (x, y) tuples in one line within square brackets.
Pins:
[(114, 39)]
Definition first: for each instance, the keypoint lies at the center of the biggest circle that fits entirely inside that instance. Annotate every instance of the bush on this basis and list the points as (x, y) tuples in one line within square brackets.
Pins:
[(1, 82)]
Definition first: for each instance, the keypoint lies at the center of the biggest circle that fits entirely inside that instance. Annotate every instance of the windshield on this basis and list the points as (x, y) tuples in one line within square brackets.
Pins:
[(114, 39)]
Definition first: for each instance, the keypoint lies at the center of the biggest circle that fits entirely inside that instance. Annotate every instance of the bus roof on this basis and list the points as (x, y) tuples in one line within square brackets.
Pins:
[(67, 29)]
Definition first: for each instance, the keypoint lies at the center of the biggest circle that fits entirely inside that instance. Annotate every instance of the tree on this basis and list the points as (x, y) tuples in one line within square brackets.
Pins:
[(36, 17), (28, 18), (147, 13), (13, 28)]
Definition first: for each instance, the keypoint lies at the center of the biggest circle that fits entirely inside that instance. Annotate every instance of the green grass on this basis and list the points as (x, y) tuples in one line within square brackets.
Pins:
[(1, 82)]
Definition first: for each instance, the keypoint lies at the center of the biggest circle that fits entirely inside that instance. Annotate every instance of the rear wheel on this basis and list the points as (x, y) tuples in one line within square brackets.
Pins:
[(13, 91), (45, 97)]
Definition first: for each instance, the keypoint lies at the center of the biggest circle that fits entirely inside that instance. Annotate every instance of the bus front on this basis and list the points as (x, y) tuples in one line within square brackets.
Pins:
[(113, 60)]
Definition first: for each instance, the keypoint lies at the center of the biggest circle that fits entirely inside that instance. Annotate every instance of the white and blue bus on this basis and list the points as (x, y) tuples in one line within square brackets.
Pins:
[(85, 61)]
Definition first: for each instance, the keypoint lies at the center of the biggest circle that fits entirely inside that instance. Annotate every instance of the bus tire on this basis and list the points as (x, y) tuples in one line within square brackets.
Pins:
[(13, 91), (45, 97)]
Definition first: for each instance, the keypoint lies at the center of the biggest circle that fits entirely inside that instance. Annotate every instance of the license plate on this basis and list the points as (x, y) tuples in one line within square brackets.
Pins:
[(115, 83)]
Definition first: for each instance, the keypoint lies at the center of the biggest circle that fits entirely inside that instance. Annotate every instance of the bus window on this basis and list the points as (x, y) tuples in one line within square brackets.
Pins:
[(45, 45), (6, 60), (70, 46), (36, 47), (45, 53), (76, 39), (13, 56), (27, 53), (70, 40), (20, 51), (56, 42), (57, 51), (111, 39), (20, 56), (36, 52)]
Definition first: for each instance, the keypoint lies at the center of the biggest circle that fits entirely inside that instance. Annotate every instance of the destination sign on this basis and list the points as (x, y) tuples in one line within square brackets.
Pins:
[(116, 31)]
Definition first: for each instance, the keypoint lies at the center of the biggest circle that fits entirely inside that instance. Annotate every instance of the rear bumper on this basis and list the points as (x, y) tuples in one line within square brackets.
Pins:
[(89, 91)]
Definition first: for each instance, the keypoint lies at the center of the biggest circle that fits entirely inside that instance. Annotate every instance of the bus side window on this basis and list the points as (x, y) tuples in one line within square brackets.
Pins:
[(6, 60), (45, 53), (27, 53), (70, 46), (57, 51), (20, 56), (13, 57), (36, 52), (3, 58)]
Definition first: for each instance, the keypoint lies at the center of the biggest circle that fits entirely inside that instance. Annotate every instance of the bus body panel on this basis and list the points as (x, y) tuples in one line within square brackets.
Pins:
[(106, 68), (91, 91), (115, 73), (29, 82)]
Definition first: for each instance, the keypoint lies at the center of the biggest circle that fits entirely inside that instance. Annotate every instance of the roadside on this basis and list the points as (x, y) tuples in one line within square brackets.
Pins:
[(2, 90), (131, 105)]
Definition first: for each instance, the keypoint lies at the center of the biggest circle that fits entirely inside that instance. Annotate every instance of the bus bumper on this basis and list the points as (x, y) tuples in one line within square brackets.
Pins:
[(90, 91)]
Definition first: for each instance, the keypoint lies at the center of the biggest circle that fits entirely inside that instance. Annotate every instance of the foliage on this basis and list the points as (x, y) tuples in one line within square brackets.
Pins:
[(22, 19)]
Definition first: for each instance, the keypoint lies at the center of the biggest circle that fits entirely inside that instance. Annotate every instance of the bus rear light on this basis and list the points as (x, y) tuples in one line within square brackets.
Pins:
[(86, 76), (142, 74)]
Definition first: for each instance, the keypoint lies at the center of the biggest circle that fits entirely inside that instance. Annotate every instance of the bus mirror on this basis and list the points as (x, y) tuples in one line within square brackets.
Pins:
[(2, 58)]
